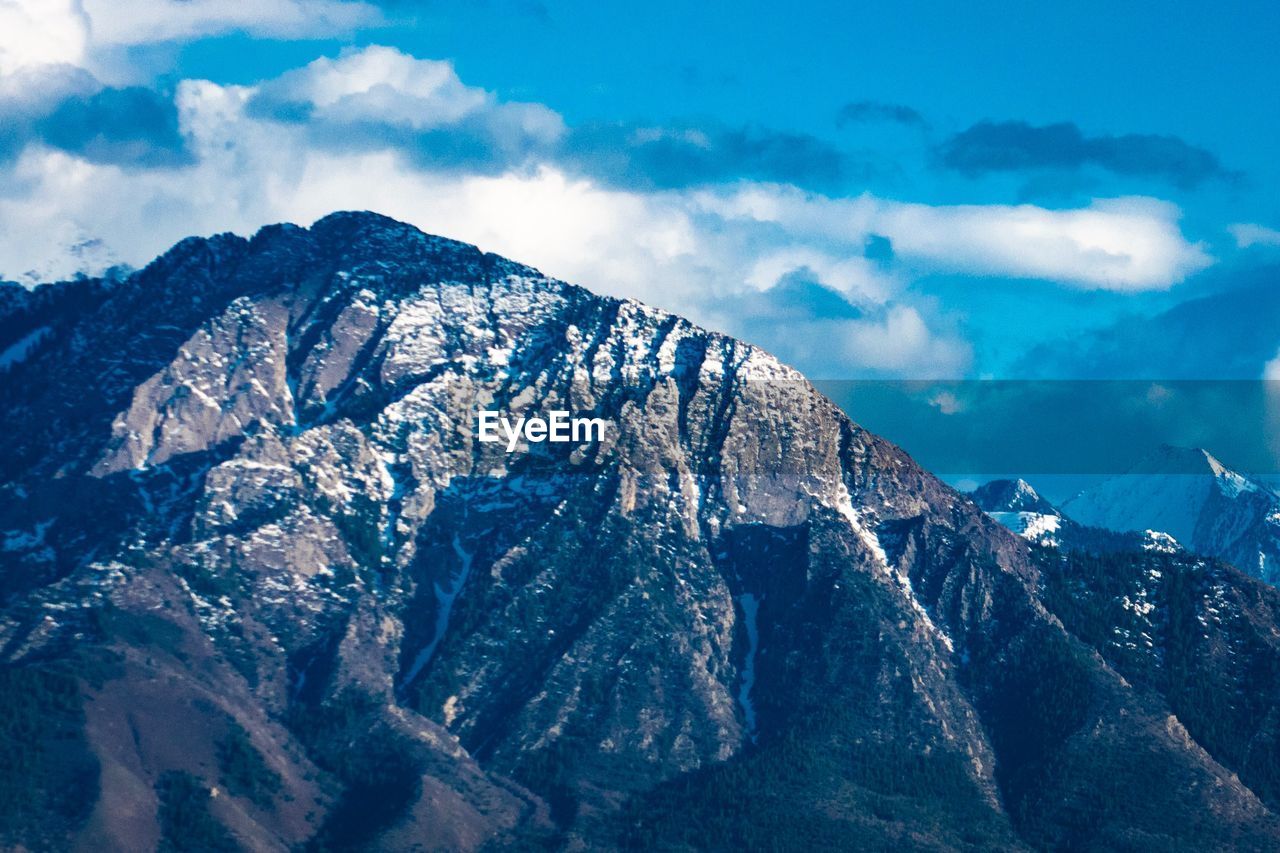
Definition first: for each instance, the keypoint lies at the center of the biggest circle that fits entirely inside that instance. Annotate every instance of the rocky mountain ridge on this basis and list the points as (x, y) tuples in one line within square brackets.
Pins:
[(1019, 507), (259, 573)]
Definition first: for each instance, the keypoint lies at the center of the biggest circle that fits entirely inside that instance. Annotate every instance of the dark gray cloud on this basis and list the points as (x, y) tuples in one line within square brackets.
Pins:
[(868, 111), (1015, 146), (688, 155)]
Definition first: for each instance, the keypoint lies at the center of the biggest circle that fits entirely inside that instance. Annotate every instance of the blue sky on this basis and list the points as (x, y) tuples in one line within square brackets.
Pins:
[(912, 189)]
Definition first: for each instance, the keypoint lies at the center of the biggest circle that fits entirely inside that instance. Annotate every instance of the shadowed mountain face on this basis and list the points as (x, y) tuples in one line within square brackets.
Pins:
[(263, 587)]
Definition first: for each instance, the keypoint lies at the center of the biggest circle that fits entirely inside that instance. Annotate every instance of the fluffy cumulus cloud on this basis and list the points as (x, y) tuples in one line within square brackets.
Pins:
[(1115, 244), (41, 32), (378, 85), (380, 98), (742, 229)]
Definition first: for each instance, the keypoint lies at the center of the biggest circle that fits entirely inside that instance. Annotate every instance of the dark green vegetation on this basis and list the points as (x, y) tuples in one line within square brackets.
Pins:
[(48, 777), (243, 772), (1187, 629), (814, 789), (377, 767), (185, 821)]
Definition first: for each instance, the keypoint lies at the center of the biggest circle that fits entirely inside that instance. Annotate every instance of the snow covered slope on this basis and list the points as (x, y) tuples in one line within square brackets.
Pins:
[(1197, 500), (1019, 507)]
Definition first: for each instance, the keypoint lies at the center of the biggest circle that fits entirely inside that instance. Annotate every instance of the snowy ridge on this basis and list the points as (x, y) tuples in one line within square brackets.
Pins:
[(1187, 497), (1019, 507)]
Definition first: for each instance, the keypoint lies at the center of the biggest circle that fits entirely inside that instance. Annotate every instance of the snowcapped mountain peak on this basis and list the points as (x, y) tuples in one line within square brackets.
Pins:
[(1229, 481), (1019, 507), (1192, 496), (1170, 460), (275, 522), (1011, 496)]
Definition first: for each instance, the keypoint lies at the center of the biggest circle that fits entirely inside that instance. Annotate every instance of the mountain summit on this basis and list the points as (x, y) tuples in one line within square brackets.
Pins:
[(264, 587), (1190, 495)]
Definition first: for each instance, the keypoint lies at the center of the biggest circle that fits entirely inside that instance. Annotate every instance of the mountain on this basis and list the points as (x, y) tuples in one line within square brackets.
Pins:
[(1193, 497), (264, 588), (1016, 505), (1019, 507), (1228, 333)]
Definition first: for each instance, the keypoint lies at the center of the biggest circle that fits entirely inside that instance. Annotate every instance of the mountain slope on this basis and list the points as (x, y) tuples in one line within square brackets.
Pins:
[(1019, 507), (1190, 495), (1016, 505), (271, 585)]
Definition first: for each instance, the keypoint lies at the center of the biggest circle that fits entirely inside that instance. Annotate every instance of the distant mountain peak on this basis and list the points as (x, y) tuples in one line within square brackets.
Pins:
[(1011, 496), (1194, 461), (1191, 495), (1019, 507)]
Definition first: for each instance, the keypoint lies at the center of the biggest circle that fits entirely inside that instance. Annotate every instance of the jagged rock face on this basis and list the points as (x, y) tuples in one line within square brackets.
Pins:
[(250, 474)]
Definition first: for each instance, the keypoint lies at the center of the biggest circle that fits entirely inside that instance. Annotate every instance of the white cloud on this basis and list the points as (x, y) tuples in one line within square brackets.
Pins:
[(946, 402), (1248, 234), (383, 85), (1114, 244), (147, 21), (1271, 370), (35, 90), (92, 34), (1126, 244), (857, 278), (41, 32), (701, 253), (656, 247), (902, 344)]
